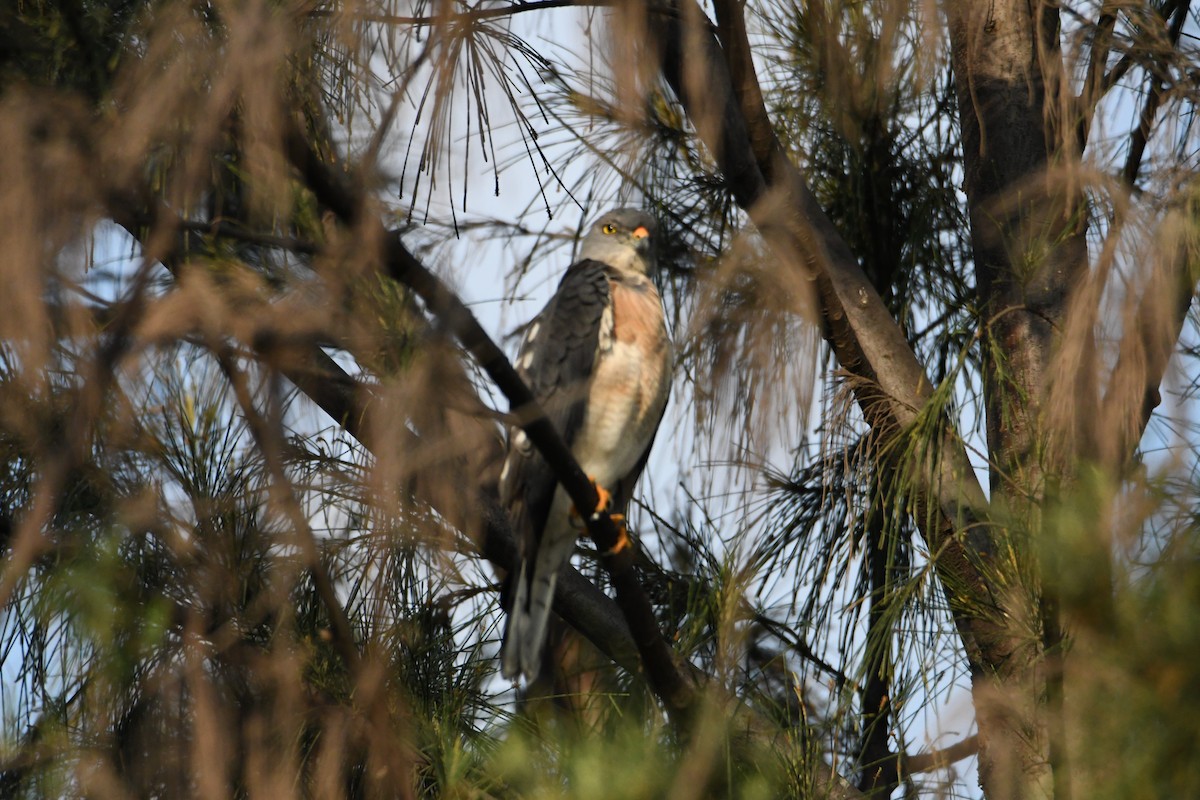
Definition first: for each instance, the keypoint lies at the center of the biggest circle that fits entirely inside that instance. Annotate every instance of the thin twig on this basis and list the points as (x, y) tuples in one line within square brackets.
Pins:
[(1141, 135), (1094, 85)]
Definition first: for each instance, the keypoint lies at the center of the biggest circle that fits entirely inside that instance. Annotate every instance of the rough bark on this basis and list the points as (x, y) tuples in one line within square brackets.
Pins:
[(1027, 235)]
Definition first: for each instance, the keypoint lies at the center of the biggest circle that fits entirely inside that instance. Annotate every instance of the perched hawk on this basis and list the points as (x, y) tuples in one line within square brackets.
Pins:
[(598, 359)]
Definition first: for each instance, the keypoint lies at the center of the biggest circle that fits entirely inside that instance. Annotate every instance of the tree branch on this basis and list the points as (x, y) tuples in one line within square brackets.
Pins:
[(662, 672), (938, 759), (891, 387), (346, 400), (1141, 135)]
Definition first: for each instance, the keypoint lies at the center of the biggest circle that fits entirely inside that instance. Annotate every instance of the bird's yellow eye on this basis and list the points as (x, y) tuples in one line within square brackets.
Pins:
[(609, 228)]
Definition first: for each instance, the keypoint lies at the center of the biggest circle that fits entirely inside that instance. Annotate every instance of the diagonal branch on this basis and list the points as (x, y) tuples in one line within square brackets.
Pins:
[(894, 769), (664, 676), (346, 400), (468, 16), (891, 387)]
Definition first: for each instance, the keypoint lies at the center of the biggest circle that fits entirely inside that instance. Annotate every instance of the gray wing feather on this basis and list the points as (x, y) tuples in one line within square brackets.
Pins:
[(557, 362), (558, 366)]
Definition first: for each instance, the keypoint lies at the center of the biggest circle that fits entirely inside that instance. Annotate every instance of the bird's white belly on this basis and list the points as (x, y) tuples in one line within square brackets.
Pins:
[(621, 414)]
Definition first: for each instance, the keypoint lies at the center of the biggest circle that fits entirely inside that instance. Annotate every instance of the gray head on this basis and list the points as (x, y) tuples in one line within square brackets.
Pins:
[(623, 238)]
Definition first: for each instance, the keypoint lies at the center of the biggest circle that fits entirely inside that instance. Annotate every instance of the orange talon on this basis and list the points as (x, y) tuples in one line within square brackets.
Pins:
[(602, 504), (605, 500), (622, 536)]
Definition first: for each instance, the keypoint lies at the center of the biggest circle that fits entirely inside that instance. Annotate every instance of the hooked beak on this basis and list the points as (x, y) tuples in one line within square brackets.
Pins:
[(640, 232)]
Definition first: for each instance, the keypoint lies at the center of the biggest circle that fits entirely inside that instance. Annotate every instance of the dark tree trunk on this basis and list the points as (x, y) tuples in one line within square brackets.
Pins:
[(1027, 234)]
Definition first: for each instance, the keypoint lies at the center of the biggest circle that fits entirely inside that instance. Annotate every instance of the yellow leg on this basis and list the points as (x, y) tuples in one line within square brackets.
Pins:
[(605, 500), (622, 535)]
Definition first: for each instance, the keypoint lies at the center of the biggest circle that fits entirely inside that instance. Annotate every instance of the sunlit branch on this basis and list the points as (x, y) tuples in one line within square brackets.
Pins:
[(938, 759), (891, 770)]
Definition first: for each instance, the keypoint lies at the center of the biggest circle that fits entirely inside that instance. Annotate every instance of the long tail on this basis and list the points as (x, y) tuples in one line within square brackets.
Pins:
[(525, 636)]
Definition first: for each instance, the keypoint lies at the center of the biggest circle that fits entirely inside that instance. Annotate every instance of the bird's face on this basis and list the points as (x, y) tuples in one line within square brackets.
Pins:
[(623, 238)]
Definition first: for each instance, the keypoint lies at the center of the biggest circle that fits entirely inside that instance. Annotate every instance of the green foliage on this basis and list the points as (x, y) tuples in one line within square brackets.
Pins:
[(1134, 639), (68, 44)]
